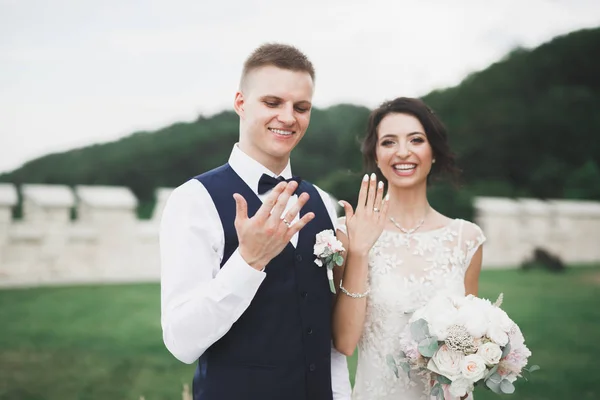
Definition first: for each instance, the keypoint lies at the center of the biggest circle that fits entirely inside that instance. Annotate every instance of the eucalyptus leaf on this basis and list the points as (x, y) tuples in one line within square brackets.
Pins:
[(506, 350), (491, 372), (495, 377), (419, 330), (436, 389), (533, 368), (507, 387), (405, 367), (339, 260), (494, 386), (401, 354), (443, 380), (392, 364), (389, 359), (428, 347)]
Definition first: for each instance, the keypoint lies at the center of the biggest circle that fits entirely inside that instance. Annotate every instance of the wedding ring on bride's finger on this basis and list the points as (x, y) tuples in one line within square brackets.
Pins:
[(286, 222), (375, 209)]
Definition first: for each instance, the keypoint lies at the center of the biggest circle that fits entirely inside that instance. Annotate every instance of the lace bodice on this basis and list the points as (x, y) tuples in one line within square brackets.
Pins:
[(404, 273)]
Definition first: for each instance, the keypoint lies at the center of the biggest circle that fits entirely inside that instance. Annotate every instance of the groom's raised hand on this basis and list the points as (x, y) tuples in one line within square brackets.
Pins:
[(262, 237)]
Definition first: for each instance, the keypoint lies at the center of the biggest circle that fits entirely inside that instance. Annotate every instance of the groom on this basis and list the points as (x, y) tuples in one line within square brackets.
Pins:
[(240, 291)]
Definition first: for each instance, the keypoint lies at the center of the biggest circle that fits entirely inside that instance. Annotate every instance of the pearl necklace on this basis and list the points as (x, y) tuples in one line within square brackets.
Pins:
[(408, 232)]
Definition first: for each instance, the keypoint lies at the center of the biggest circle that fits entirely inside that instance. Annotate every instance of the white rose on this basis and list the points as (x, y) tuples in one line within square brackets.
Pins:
[(460, 387), (490, 352), (473, 367), (497, 335), (446, 362)]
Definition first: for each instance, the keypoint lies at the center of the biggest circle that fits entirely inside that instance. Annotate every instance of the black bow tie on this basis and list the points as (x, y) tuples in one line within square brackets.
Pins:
[(266, 182)]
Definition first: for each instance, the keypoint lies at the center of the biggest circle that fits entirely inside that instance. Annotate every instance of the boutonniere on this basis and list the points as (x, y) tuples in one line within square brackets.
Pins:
[(328, 250)]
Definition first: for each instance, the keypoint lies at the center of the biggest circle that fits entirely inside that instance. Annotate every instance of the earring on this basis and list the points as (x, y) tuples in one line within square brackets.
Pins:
[(433, 161)]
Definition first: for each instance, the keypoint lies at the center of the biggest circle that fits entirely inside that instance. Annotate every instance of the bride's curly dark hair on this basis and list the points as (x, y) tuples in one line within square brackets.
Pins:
[(437, 136)]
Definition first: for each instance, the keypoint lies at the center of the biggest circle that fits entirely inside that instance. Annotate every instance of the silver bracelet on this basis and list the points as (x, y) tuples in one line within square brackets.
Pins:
[(353, 295)]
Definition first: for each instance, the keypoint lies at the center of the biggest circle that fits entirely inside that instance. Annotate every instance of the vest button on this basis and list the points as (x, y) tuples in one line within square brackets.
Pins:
[(304, 294), (298, 257), (312, 367), (309, 331)]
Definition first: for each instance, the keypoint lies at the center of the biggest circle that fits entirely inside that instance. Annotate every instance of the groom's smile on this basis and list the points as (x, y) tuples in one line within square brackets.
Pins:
[(282, 132)]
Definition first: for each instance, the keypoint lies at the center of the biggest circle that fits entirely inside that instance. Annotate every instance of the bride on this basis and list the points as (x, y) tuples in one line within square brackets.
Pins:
[(400, 251)]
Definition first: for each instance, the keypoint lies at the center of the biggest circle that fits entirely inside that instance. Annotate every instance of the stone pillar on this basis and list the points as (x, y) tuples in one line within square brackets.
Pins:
[(45, 228), (8, 199), (112, 213)]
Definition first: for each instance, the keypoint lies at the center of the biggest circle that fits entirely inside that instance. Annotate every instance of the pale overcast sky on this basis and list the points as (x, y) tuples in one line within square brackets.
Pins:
[(76, 72)]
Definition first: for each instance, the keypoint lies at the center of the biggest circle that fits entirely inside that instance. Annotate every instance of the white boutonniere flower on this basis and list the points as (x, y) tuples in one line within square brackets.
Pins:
[(328, 250)]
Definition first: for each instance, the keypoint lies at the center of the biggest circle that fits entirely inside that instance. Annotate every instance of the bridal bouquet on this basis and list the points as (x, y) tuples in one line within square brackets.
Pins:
[(455, 343)]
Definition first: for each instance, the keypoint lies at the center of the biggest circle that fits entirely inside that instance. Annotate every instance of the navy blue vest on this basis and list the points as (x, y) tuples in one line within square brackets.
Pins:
[(280, 348)]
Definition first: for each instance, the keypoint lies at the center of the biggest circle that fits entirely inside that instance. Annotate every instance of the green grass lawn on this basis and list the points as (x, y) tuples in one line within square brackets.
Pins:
[(104, 342)]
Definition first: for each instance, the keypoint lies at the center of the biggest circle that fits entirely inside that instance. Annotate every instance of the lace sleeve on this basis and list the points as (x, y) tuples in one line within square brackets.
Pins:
[(473, 239), (341, 225)]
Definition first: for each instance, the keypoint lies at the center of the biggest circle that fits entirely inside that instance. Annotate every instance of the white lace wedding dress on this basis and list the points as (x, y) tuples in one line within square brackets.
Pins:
[(405, 272)]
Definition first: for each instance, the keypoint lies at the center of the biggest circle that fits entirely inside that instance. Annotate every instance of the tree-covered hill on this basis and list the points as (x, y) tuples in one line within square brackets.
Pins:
[(525, 126)]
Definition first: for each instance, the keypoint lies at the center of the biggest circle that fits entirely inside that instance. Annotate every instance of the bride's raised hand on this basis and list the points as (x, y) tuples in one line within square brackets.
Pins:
[(366, 224)]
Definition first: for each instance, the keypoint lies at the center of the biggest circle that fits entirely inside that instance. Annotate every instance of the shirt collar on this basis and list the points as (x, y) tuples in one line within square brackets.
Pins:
[(251, 170)]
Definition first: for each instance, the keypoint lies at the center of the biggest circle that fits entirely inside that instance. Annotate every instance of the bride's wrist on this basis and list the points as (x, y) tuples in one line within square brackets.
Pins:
[(358, 252)]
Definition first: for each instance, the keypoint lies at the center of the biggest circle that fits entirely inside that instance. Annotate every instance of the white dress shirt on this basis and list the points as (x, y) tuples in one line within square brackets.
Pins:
[(200, 301)]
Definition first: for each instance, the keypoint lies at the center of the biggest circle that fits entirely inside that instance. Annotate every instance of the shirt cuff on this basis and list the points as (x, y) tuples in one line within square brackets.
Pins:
[(240, 277)]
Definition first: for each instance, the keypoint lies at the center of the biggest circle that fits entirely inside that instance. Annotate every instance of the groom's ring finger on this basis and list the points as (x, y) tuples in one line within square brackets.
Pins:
[(295, 209)]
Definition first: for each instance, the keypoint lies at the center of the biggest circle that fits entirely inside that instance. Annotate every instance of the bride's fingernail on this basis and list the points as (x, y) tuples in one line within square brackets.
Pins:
[(380, 185), (366, 177), (373, 176), (341, 203), (387, 197)]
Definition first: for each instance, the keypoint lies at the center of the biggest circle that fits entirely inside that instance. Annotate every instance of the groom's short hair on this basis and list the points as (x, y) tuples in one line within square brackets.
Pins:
[(283, 56)]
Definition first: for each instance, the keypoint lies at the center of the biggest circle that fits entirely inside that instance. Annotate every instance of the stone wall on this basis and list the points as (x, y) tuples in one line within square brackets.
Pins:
[(569, 229), (107, 243)]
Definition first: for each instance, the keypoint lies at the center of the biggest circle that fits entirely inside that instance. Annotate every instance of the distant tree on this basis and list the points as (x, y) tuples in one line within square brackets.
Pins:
[(584, 182)]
